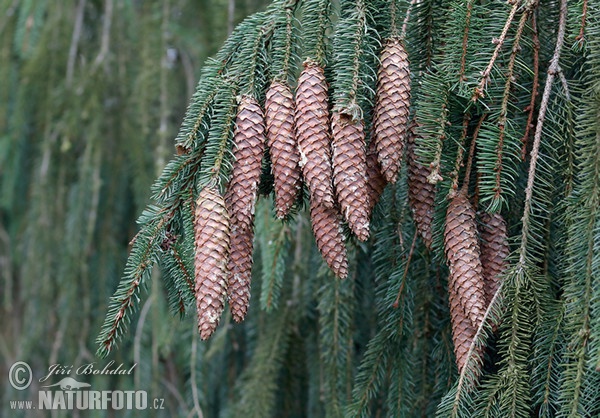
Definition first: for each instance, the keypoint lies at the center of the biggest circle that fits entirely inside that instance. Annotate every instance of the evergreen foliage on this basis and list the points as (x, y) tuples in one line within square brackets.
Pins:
[(505, 100)]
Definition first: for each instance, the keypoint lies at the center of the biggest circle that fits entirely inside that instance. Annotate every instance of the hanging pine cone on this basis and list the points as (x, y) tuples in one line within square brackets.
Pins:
[(279, 116), (463, 332), (211, 236), (462, 252), (312, 133), (494, 251), (421, 193), (390, 117), (249, 138), (329, 237), (375, 180), (349, 169)]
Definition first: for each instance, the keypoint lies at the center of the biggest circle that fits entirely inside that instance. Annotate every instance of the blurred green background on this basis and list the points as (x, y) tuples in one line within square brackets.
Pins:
[(92, 93)]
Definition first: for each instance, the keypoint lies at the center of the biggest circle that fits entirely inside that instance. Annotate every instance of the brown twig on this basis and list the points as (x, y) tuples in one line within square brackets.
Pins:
[(499, 43), (504, 107), (463, 58), (396, 303), (472, 152), (553, 70), (406, 19), (534, 89), (459, 156), (581, 37)]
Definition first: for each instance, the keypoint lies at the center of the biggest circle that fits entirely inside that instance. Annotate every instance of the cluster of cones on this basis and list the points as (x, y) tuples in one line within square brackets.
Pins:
[(476, 247), (476, 253), (308, 144)]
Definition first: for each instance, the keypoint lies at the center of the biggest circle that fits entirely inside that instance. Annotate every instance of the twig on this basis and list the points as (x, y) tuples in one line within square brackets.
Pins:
[(553, 70), (406, 19), (472, 153), (463, 378), (499, 43), (195, 397), (75, 40), (105, 43), (565, 85), (504, 107), (137, 340), (581, 37), (410, 254), (463, 58), (534, 90), (460, 154), (161, 151)]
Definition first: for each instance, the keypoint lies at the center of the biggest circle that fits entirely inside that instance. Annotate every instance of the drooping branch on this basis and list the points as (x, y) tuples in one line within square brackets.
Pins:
[(485, 74), (553, 70)]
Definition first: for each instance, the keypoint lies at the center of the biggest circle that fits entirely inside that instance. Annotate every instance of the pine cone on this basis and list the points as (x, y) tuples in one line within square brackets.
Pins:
[(421, 193), (463, 332), (375, 180), (312, 133), (330, 239), (279, 116), (462, 252), (211, 234), (390, 117), (249, 138), (494, 251), (349, 169)]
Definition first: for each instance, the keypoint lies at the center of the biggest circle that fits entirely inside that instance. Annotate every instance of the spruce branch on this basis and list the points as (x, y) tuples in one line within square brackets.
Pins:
[(396, 303), (530, 109), (465, 39), (485, 74), (472, 151), (143, 255), (581, 37), (553, 70), (406, 19), (470, 374), (459, 156), (502, 119)]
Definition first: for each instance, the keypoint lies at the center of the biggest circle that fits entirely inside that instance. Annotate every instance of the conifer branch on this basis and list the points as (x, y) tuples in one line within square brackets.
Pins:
[(485, 74), (552, 71), (459, 156), (535, 84), (472, 152), (505, 99), (472, 371), (581, 37), (465, 39), (406, 19)]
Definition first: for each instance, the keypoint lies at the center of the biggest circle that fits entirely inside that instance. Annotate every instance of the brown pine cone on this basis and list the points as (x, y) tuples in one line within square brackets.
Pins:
[(462, 252), (330, 239), (494, 251), (211, 237), (463, 332), (392, 105), (349, 169), (285, 158), (312, 133), (421, 193), (375, 180), (240, 199)]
